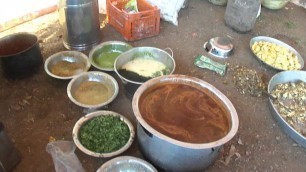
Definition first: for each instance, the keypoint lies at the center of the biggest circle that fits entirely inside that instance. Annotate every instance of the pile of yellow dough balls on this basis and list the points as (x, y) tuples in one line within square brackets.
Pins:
[(276, 55)]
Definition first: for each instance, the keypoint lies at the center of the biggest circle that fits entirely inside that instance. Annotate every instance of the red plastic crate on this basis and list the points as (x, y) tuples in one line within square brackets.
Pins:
[(133, 26)]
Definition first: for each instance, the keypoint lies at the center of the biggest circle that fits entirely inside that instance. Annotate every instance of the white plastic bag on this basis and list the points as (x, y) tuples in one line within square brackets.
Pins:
[(102, 6), (63, 156), (168, 9)]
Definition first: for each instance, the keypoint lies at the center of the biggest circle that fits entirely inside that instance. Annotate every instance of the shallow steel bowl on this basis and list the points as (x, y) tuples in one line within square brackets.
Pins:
[(285, 77), (69, 56), (278, 42), (126, 163), (84, 119), (106, 47), (96, 76)]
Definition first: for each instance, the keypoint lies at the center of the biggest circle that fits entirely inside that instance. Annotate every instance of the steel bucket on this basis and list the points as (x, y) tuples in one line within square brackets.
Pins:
[(79, 20), (158, 54)]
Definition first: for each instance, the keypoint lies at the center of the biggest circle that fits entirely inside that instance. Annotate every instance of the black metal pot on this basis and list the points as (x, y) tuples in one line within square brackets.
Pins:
[(20, 55), (9, 155)]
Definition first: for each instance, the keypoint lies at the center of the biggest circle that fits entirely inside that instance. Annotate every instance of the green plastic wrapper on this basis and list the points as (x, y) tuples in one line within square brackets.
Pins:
[(207, 63)]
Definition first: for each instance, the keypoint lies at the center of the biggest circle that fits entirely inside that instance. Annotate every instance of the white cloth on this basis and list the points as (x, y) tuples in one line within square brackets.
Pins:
[(168, 9)]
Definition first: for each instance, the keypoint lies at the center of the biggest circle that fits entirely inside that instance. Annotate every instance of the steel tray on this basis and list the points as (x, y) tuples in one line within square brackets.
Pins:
[(285, 77), (278, 42)]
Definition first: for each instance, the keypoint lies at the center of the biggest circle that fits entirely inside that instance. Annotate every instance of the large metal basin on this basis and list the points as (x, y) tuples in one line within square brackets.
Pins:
[(280, 78), (172, 155)]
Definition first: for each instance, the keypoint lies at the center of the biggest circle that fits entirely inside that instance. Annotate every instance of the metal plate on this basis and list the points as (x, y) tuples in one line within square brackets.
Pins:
[(127, 163), (278, 42), (285, 77)]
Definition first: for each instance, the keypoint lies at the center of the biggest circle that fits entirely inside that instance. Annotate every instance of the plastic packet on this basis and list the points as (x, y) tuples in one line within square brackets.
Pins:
[(102, 6), (63, 156), (207, 63)]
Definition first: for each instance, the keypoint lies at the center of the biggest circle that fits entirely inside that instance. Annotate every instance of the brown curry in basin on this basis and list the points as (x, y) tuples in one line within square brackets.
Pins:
[(185, 113)]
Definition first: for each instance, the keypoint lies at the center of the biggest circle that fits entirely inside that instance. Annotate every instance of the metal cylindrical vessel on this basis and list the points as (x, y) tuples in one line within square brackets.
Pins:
[(170, 157), (168, 153), (80, 25)]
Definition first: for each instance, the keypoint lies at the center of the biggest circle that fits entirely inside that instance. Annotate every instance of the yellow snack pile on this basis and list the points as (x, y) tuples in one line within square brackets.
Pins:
[(276, 55)]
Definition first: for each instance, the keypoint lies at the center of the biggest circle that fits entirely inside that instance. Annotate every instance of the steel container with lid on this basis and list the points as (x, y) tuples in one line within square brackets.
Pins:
[(79, 20)]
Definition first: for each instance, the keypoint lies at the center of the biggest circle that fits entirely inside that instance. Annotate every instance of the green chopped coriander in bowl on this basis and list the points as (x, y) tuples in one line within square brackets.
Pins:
[(103, 134)]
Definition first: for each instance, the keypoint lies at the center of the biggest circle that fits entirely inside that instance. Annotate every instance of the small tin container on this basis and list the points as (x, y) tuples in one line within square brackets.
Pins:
[(221, 47)]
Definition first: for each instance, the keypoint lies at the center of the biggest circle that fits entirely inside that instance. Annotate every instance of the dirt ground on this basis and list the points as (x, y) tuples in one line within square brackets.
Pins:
[(37, 108)]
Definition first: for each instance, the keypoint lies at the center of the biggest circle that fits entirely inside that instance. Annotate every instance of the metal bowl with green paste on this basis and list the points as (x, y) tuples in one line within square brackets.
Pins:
[(104, 55), (103, 134)]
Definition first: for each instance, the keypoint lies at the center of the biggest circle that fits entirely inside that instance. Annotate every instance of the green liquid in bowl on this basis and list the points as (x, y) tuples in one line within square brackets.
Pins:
[(107, 59)]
